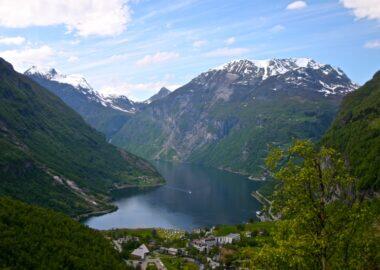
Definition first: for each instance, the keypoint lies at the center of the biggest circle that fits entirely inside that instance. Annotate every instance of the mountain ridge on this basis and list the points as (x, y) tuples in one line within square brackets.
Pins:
[(104, 114), (226, 116), (163, 92)]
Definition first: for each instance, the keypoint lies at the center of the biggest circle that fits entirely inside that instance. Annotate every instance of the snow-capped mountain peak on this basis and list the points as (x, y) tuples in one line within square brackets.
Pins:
[(76, 80), (268, 67), (83, 88), (301, 72)]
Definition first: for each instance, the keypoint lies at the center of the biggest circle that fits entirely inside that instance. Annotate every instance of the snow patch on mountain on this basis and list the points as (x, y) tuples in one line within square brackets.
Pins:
[(79, 83), (296, 71), (269, 67), (76, 80)]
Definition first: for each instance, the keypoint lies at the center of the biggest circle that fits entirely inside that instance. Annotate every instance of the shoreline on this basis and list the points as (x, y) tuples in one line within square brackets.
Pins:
[(127, 186), (264, 215), (113, 207), (261, 198), (249, 176), (85, 216)]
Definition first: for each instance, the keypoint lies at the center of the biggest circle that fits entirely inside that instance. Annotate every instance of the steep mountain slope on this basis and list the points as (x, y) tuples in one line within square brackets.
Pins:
[(37, 238), (159, 95), (356, 132), (228, 116), (106, 114), (51, 157)]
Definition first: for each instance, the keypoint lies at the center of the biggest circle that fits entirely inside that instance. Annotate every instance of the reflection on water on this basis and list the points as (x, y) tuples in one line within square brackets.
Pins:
[(194, 196)]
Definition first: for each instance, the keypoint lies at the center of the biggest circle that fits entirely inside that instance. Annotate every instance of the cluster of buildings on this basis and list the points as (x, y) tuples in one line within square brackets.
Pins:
[(142, 258), (173, 251), (207, 243)]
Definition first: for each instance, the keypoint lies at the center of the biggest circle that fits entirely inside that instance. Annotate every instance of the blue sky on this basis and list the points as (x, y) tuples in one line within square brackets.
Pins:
[(135, 47)]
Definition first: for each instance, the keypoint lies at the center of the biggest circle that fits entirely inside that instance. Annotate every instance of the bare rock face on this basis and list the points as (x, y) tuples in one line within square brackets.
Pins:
[(228, 116)]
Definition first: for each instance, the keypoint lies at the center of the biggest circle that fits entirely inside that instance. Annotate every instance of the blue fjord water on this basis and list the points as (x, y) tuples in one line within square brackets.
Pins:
[(193, 197)]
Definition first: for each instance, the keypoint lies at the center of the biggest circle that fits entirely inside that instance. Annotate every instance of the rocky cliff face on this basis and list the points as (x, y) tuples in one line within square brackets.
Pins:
[(228, 116)]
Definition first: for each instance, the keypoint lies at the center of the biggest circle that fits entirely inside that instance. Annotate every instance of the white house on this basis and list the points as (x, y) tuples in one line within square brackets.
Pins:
[(172, 251), (228, 239), (140, 252)]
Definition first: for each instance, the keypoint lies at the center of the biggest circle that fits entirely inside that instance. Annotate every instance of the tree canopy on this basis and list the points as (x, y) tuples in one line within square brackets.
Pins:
[(326, 223), (36, 238)]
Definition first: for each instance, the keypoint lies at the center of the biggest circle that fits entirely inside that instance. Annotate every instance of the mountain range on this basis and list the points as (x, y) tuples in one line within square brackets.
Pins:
[(107, 114), (227, 117), (51, 157)]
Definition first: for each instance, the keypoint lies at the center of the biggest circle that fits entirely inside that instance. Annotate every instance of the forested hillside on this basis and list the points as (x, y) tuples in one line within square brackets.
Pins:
[(51, 157), (356, 132), (37, 238)]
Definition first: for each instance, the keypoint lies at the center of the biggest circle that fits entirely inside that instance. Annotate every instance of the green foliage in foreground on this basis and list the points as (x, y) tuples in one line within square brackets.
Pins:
[(36, 238), (326, 223), (356, 133)]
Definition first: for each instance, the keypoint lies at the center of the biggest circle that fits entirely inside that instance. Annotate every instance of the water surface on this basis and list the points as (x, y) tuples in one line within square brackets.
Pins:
[(193, 197)]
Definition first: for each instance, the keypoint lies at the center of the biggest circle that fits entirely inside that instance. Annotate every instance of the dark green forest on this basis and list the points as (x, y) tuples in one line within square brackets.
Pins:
[(356, 133), (37, 238)]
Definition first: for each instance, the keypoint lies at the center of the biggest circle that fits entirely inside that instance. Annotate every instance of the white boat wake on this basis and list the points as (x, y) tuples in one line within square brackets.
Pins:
[(179, 189)]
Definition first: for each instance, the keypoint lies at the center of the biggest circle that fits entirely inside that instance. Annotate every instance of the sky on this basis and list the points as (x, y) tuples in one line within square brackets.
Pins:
[(135, 47)]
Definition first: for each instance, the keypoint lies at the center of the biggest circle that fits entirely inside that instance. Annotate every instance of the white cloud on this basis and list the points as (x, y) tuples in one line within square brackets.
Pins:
[(137, 91), (199, 43), (296, 5), (277, 28), (227, 52), (230, 41), (24, 58), (84, 17), (72, 59), (159, 57), (374, 44), (12, 40), (369, 9)]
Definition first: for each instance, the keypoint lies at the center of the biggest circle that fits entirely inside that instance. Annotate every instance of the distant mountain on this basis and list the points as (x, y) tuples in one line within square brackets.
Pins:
[(356, 133), (37, 238), (228, 116), (159, 95), (49, 156), (123, 103), (106, 114)]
